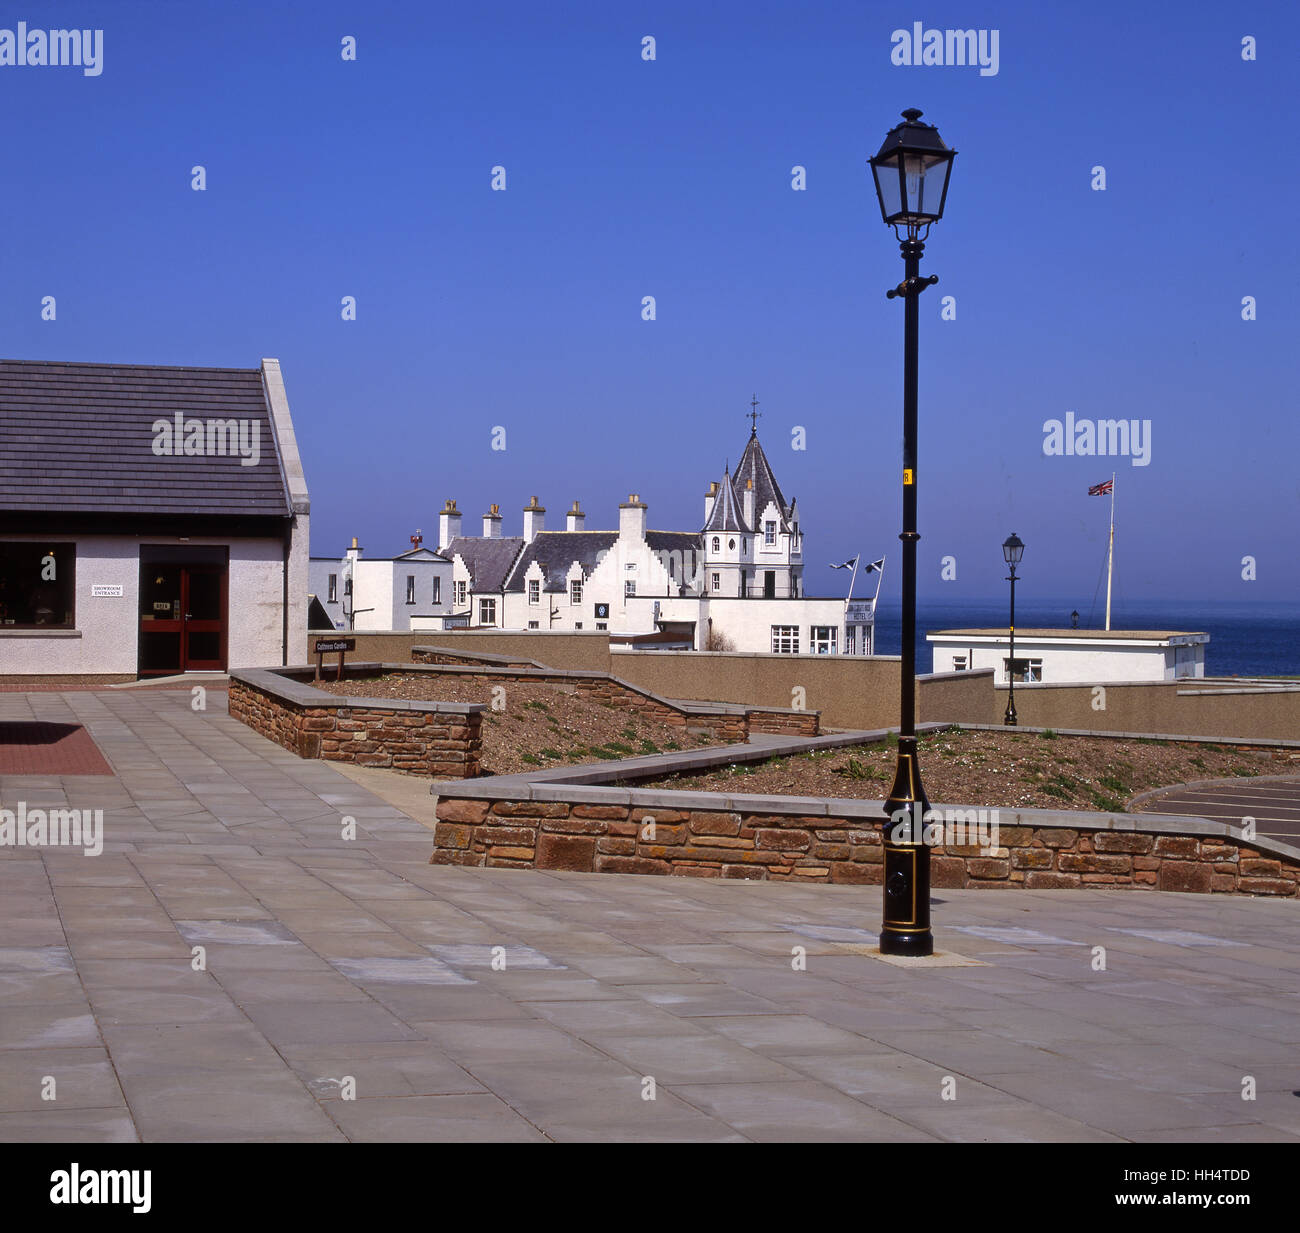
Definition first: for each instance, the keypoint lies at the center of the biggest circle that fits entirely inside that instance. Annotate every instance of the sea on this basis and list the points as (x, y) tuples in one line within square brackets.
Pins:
[(1260, 639)]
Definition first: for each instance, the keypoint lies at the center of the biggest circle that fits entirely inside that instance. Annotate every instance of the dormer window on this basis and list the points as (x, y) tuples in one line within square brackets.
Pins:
[(769, 532)]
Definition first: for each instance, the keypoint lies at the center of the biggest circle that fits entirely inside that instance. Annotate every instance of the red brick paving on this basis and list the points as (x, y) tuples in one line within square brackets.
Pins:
[(49, 749)]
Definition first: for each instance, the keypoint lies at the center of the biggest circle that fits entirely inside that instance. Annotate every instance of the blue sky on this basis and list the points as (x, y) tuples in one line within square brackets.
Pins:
[(672, 178)]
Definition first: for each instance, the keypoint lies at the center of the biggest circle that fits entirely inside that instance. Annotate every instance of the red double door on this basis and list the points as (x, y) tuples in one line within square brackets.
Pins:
[(182, 618)]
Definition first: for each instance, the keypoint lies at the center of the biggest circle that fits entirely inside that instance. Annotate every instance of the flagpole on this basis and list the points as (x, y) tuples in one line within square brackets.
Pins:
[(853, 578), (875, 600), (1110, 551)]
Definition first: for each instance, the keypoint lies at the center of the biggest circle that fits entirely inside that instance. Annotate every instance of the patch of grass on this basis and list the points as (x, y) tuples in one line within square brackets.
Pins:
[(537, 706), (671, 745), (619, 750), (649, 747), (553, 754), (1112, 784), (531, 759), (629, 733), (1048, 734), (1107, 804), (853, 769)]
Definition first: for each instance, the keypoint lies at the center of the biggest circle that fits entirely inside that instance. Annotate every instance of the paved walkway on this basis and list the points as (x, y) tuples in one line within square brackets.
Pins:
[(348, 989), (1273, 801)]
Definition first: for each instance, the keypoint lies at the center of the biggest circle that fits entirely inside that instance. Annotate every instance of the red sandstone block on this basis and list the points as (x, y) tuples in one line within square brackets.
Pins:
[(987, 868), (1070, 862), (461, 811), (640, 814), (1122, 841), (783, 840), (1221, 882), (1147, 863), (616, 847), (686, 870), (1054, 838), (831, 851), (610, 812), (1042, 880), (1176, 845), (948, 872), (530, 809), (745, 873), (715, 823), (572, 852), (1266, 886), (629, 864), (1255, 866), (1184, 875), (1031, 858), (1147, 877), (520, 836), (866, 854), (451, 835), (856, 874), (576, 826)]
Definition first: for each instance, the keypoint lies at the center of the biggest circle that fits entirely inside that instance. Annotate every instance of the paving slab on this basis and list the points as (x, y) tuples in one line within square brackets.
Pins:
[(230, 968)]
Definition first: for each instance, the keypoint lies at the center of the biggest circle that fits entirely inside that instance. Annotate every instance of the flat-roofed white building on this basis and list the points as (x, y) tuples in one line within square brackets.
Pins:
[(1072, 656)]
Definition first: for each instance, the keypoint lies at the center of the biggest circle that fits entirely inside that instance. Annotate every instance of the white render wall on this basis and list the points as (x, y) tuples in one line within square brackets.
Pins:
[(1076, 661), (106, 638)]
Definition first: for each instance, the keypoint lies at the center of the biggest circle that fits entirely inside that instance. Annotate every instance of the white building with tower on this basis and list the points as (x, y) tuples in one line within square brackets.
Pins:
[(736, 583)]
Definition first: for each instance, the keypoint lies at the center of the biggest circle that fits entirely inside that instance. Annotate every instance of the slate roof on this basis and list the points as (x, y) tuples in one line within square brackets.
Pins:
[(78, 438), (726, 513), (754, 466), (556, 551), (488, 560)]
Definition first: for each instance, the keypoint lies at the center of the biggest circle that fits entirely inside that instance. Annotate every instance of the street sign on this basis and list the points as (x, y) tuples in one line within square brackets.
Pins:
[(325, 646)]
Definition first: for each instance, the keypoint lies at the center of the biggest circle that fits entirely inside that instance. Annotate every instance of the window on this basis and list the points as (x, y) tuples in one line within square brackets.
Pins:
[(410, 588), (533, 625), (575, 591), (717, 544), (851, 640), (577, 625), (823, 639), (629, 587), (37, 584), (716, 584), (959, 663), (731, 545), (534, 591), (347, 587), (785, 640), (487, 611), (769, 532), (334, 589), (602, 624), (1027, 671), (460, 593), (437, 589)]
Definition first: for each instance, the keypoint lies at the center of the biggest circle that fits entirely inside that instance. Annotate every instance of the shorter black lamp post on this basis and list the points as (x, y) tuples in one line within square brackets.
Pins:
[(1012, 550), (1074, 619)]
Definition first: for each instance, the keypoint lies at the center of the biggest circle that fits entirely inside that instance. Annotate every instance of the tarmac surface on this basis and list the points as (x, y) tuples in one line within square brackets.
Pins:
[(262, 952), (1272, 801)]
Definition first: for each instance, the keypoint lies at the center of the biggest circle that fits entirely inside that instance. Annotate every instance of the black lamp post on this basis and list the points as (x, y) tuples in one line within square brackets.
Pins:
[(911, 172), (1074, 619), (1012, 551)]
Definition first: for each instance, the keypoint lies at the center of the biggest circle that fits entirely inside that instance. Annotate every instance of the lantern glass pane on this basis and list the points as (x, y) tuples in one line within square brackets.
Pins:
[(891, 195)]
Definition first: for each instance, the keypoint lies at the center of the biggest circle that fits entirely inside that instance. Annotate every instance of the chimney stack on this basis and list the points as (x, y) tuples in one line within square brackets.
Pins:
[(448, 523), (576, 519), (631, 518), (534, 520), (709, 498), (492, 523)]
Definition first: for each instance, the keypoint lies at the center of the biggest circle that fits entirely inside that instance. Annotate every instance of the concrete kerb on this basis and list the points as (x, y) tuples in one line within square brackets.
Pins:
[(279, 683), (1201, 784)]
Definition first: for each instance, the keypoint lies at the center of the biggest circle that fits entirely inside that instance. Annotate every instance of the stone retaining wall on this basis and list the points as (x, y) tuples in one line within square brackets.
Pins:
[(835, 841), (440, 739), (728, 722)]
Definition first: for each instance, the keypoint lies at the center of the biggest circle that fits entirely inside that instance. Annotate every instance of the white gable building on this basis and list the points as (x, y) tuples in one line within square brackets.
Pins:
[(736, 584)]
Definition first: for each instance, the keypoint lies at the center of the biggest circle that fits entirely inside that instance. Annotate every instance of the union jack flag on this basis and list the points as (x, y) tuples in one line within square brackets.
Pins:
[(1100, 490)]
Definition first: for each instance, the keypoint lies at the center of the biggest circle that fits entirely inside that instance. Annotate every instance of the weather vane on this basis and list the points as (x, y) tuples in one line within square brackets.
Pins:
[(753, 415)]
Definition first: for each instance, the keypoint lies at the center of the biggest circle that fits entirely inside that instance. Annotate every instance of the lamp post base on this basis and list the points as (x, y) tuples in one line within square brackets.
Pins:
[(906, 927)]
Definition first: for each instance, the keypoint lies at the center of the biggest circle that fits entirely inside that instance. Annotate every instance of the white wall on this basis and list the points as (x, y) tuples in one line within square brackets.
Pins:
[(1071, 661), (106, 638)]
